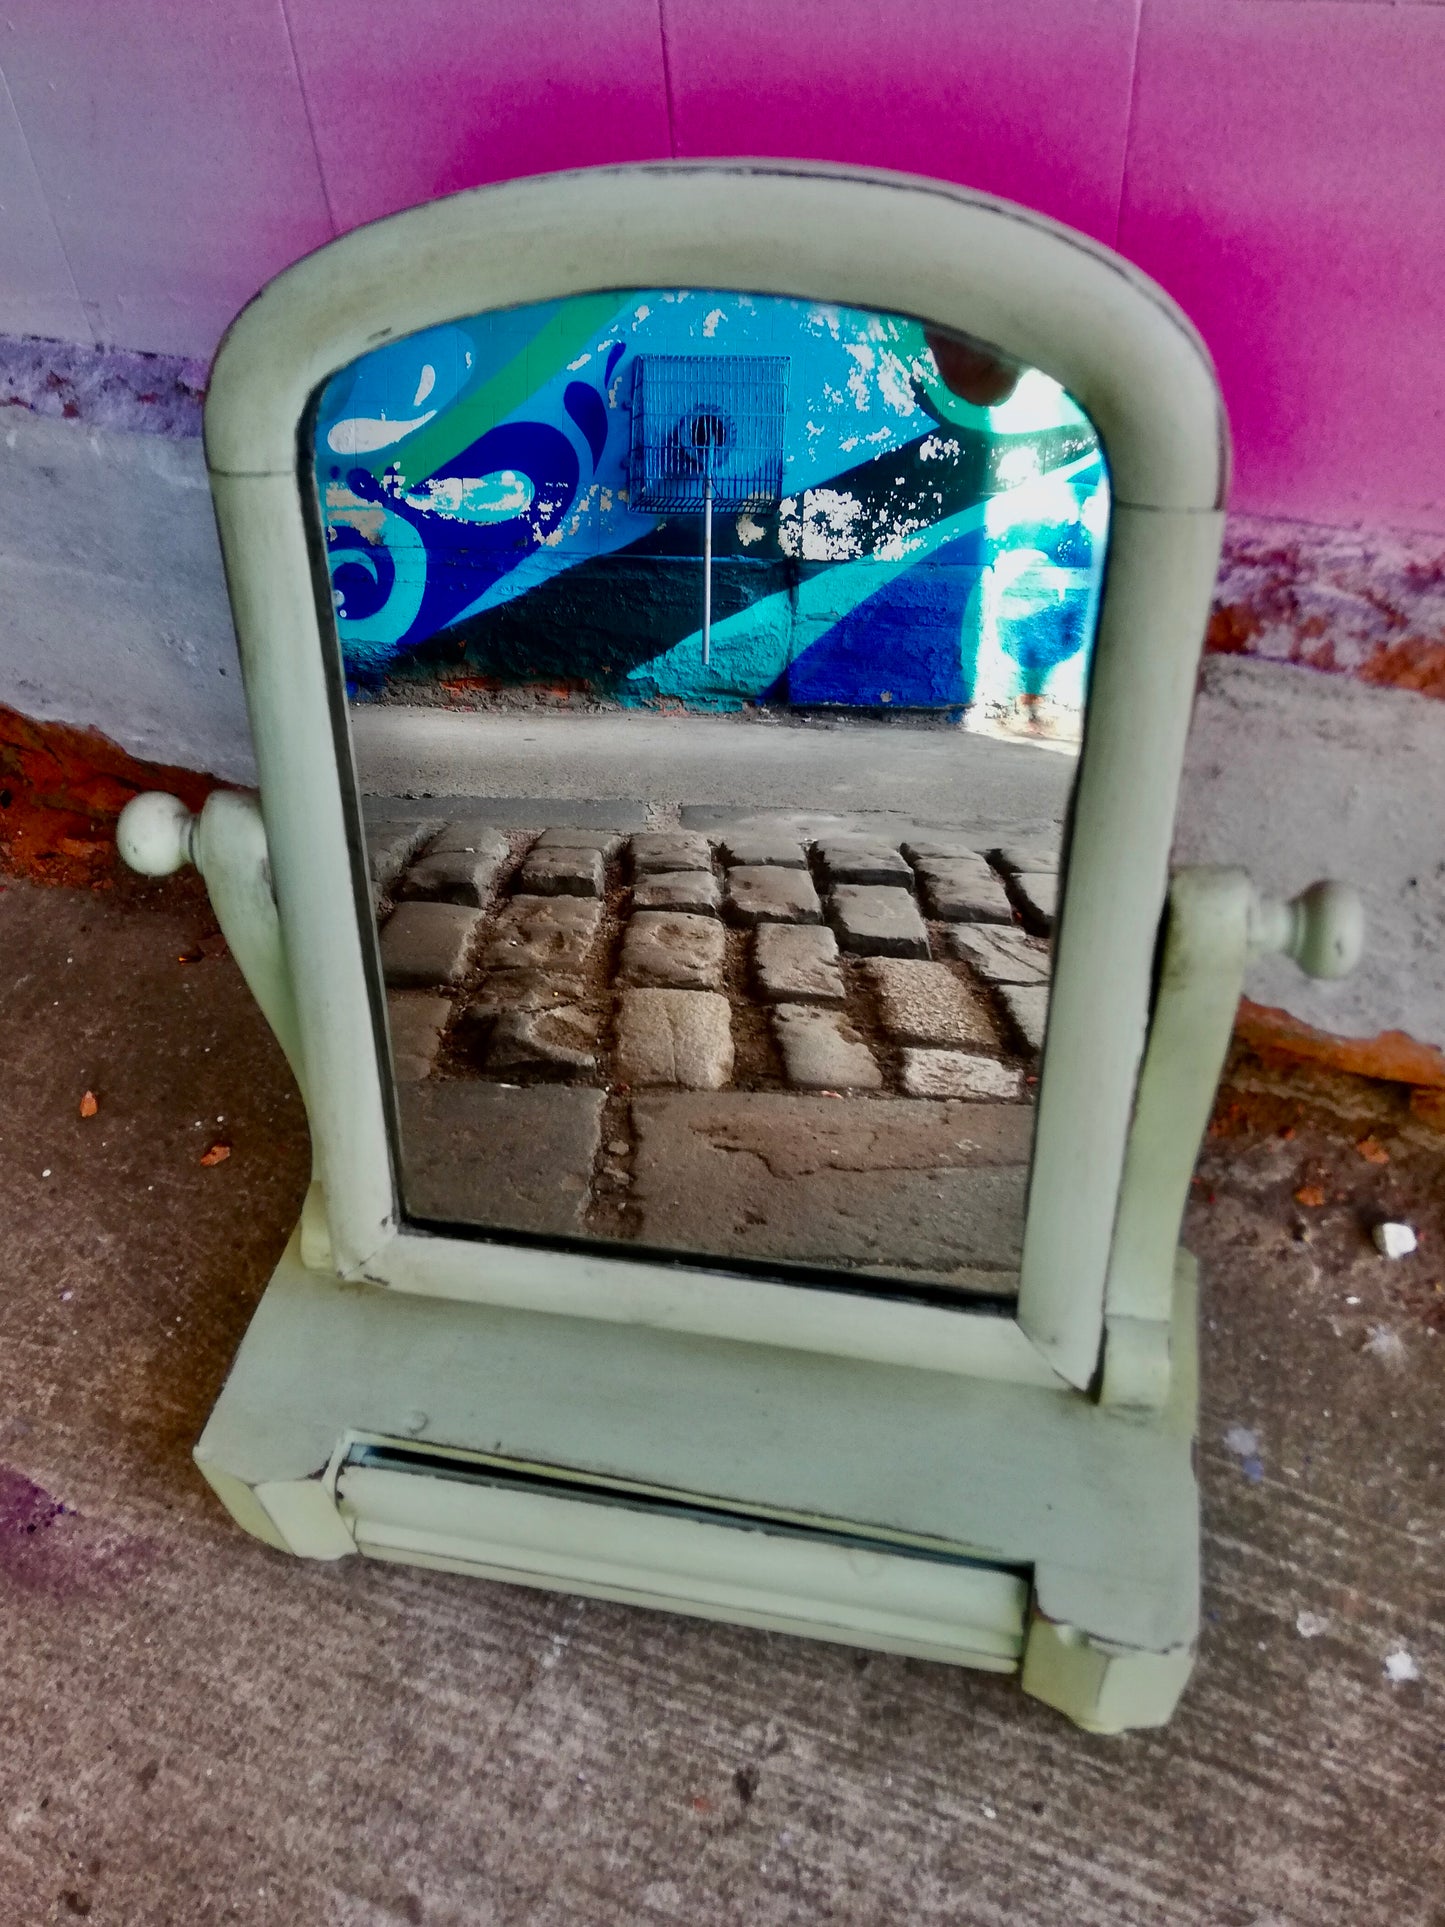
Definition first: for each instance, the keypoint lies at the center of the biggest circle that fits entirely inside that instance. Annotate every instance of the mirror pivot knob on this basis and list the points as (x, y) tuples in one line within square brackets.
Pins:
[(1322, 929), (153, 833)]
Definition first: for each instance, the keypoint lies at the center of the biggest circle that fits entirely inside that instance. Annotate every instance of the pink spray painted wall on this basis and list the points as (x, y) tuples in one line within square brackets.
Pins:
[(1279, 165)]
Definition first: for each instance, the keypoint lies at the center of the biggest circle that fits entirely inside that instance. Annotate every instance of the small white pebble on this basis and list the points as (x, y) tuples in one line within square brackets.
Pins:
[(1394, 1240), (1310, 1625), (1386, 1343), (990, 1813), (46, 1172), (66, 1296), (1400, 1667), (1352, 1299)]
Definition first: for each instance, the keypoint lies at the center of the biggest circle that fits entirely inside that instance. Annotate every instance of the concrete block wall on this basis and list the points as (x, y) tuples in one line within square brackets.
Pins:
[(1280, 168)]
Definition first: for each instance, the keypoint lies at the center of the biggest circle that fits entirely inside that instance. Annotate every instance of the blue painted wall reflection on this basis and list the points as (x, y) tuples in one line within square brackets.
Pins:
[(938, 545)]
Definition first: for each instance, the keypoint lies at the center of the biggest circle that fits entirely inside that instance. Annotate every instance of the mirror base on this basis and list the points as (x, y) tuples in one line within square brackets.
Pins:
[(1021, 1530)]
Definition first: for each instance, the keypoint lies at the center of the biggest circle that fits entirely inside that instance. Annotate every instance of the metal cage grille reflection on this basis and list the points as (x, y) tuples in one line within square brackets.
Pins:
[(701, 416)]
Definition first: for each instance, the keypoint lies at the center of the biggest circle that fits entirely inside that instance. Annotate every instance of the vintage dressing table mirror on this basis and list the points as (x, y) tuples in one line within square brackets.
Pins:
[(719, 642)]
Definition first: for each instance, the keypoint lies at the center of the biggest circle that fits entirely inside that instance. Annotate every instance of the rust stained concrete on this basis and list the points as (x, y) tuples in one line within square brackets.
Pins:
[(196, 1729), (1367, 603)]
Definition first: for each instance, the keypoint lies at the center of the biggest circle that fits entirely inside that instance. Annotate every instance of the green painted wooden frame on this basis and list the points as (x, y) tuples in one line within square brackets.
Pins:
[(1033, 289)]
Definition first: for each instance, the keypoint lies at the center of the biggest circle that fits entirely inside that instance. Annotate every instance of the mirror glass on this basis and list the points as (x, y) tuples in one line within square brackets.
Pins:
[(716, 669)]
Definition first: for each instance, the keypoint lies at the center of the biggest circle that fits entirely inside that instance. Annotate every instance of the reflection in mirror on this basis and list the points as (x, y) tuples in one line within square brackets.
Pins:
[(717, 667)]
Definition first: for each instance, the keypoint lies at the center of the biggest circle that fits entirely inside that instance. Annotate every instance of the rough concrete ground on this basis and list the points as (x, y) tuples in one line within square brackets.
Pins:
[(197, 1730), (932, 775)]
